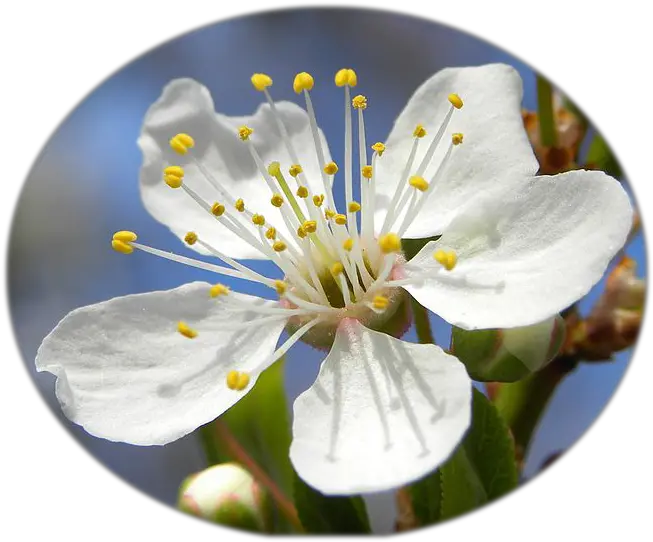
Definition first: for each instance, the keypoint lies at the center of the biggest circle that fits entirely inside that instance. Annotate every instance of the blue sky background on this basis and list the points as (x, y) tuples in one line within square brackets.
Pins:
[(84, 186)]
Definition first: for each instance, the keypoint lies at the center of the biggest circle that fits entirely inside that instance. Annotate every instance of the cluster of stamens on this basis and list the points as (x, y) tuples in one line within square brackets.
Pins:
[(335, 264)]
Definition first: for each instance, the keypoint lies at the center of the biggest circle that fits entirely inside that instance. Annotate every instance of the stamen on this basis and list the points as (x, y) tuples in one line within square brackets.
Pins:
[(379, 148), (307, 305), (419, 183), (261, 81), (455, 101), (277, 200), (447, 259), (244, 132), (280, 286), (331, 168), (354, 207), (237, 380), (251, 275), (318, 148), (190, 238), (121, 241), (366, 171), (419, 131), (240, 205), (295, 170), (348, 244), (380, 302), (217, 209), (192, 263), (259, 220), (181, 143), (218, 289), (389, 243), (302, 192), (359, 102), (186, 331), (303, 81), (346, 77), (173, 176), (438, 136), (399, 190), (457, 139), (279, 246)]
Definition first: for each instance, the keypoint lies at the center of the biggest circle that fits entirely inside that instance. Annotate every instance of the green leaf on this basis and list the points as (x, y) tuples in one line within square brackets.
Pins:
[(259, 423), (490, 449), (320, 514), (482, 469), (426, 496), (599, 156), (411, 247)]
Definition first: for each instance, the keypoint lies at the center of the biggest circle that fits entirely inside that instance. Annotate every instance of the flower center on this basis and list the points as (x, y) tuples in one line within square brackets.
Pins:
[(335, 263)]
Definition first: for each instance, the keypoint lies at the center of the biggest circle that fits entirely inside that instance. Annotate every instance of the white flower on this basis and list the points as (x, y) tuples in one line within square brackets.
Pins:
[(514, 250)]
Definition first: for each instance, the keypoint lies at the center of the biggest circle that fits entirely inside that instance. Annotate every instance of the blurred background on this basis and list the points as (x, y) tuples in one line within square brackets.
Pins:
[(84, 186)]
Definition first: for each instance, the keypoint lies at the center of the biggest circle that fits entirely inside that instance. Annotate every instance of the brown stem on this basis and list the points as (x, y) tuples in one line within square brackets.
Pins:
[(286, 507)]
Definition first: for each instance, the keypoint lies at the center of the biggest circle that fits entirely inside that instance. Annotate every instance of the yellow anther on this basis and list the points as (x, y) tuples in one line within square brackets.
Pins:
[(122, 247), (191, 238), (240, 205), (379, 148), (346, 76), (261, 81), (217, 209), (390, 243), (181, 143), (303, 81), (280, 286), (341, 220), (457, 139), (318, 200), (310, 226), (218, 289), (337, 269), (295, 170), (301, 232), (259, 220), (302, 192), (419, 182), (271, 233), (244, 132), (279, 246), (380, 302), (455, 101), (173, 181), (448, 259), (354, 207), (277, 200), (331, 168), (125, 236), (366, 171), (173, 176), (359, 102), (348, 244), (419, 131), (186, 331), (237, 380)]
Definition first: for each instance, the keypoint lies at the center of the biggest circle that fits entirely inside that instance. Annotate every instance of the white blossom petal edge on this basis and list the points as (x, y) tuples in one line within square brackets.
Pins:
[(124, 374), (381, 413)]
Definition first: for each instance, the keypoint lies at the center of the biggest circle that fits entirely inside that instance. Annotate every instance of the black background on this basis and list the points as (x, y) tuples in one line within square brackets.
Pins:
[(51, 60)]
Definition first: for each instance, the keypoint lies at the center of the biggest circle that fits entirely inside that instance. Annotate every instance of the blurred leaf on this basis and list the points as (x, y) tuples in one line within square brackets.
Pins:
[(426, 496), (320, 514), (482, 469), (599, 156), (490, 449), (259, 423), (411, 247)]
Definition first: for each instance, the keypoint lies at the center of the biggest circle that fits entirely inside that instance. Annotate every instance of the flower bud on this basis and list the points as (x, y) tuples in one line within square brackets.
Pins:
[(507, 355), (225, 494)]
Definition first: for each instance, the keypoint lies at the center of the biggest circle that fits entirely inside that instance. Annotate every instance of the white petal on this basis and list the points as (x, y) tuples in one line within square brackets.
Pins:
[(382, 413), (125, 374), (186, 107), (495, 144), (529, 256)]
